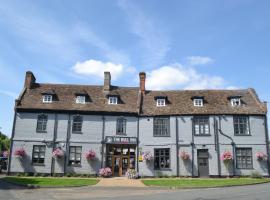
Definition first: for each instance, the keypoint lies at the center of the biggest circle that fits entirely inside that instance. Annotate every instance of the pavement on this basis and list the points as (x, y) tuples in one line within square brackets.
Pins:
[(251, 192), (119, 182)]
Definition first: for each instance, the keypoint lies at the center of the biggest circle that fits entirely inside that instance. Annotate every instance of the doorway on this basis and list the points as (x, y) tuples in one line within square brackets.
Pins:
[(203, 162), (120, 158)]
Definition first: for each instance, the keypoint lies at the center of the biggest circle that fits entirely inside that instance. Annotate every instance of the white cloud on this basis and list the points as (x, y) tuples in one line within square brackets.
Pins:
[(9, 94), (154, 40), (177, 76), (199, 60), (97, 68)]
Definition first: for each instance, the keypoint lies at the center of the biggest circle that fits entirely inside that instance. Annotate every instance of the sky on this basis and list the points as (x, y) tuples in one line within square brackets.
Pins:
[(180, 44)]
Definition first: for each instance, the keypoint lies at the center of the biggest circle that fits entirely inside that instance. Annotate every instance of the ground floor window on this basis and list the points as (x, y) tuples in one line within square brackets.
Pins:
[(38, 156), (244, 158), (75, 153), (162, 159)]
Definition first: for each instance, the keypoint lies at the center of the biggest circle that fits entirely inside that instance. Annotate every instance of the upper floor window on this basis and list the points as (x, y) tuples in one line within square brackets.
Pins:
[(241, 125), (161, 126), (201, 125), (162, 159), (77, 124), (47, 98), (161, 102), (80, 99), (236, 102), (38, 156), (42, 123), (244, 158), (75, 154), (198, 102), (112, 100), (121, 126)]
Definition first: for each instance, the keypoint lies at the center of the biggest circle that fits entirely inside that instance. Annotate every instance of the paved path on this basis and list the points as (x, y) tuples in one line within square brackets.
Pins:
[(119, 182), (254, 192)]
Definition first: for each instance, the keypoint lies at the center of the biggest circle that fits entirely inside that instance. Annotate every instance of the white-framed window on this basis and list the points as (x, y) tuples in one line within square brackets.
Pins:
[(236, 102), (112, 100), (198, 102), (80, 99), (161, 102), (47, 98)]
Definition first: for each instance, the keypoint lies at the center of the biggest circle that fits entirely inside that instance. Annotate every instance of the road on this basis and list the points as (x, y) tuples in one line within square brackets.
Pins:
[(254, 192)]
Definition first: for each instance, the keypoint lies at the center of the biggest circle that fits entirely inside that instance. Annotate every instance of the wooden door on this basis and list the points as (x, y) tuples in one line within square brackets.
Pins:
[(203, 163)]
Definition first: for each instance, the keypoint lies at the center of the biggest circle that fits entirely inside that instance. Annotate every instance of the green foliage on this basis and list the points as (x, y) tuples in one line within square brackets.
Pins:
[(255, 174), (4, 142)]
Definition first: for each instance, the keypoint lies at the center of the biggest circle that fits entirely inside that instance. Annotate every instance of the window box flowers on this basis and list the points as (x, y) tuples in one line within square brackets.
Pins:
[(58, 153), (147, 156), (261, 156), (105, 172), (20, 152), (184, 155), (226, 157), (90, 155), (132, 174)]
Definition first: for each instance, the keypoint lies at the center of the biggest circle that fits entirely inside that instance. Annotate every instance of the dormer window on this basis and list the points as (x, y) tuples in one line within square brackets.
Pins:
[(47, 98), (198, 102), (161, 102), (113, 100), (236, 102), (80, 99)]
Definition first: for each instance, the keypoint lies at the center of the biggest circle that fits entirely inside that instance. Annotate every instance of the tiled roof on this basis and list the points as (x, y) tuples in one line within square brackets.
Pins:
[(179, 102)]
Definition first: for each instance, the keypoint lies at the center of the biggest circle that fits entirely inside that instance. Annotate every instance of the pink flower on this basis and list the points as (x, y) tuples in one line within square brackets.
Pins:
[(261, 156), (90, 155), (184, 155), (105, 172), (147, 156), (58, 153), (5, 154), (20, 152), (226, 156)]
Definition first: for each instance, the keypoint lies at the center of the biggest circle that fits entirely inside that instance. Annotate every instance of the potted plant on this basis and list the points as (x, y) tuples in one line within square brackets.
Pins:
[(20, 153), (184, 155), (58, 153), (90, 155), (132, 174), (105, 172), (261, 156), (147, 156)]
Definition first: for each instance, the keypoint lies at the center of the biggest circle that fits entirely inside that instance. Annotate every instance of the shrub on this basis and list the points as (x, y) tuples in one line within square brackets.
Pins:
[(105, 172), (255, 174)]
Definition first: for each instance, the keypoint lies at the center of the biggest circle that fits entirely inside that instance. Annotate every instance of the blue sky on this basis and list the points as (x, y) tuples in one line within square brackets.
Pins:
[(180, 44)]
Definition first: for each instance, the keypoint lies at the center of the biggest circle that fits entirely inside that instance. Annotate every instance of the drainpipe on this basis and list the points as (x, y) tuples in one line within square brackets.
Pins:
[(217, 145), (232, 143), (138, 135), (192, 149), (177, 146), (102, 141), (11, 142), (67, 144), (54, 139), (267, 142)]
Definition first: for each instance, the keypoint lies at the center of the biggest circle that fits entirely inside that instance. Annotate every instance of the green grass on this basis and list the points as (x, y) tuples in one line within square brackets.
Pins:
[(39, 181), (198, 183)]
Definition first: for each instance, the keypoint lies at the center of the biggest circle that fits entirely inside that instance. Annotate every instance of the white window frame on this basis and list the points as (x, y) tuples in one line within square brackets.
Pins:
[(113, 100), (198, 102), (80, 99), (47, 98), (235, 102), (161, 102)]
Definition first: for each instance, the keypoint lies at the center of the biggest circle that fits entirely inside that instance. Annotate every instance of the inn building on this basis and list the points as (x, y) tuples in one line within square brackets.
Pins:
[(121, 124)]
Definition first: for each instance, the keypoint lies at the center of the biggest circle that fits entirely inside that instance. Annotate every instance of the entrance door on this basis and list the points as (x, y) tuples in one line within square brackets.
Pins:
[(117, 166), (203, 164)]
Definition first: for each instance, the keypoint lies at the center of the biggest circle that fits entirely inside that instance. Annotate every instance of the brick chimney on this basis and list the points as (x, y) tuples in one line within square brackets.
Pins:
[(107, 81), (30, 80), (142, 76)]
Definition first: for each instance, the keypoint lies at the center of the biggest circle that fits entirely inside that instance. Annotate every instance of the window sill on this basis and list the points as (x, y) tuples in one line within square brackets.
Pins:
[(245, 168), (202, 135), (242, 135), (38, 164), (161, 136), (41, 131), (76, 132), (75, 165), (166, 169)]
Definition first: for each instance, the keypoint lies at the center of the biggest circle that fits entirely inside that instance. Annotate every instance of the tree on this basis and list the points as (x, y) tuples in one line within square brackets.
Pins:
[(4, 142)]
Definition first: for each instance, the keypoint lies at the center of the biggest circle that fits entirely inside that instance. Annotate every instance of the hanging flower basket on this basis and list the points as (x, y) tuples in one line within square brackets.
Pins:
[(58, 153), (147, 156), (105, 172), (5, 154), (226, 157), (90, 155), (261, 156), (19, 153), (184, 155)]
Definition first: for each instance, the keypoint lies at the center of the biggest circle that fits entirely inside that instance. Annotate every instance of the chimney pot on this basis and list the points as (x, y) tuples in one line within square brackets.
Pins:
[(107, 81), (30, 80), (142, 76)]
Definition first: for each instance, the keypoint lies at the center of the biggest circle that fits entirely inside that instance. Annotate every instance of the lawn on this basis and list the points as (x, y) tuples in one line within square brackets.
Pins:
[(198, 183), (40, 181)]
